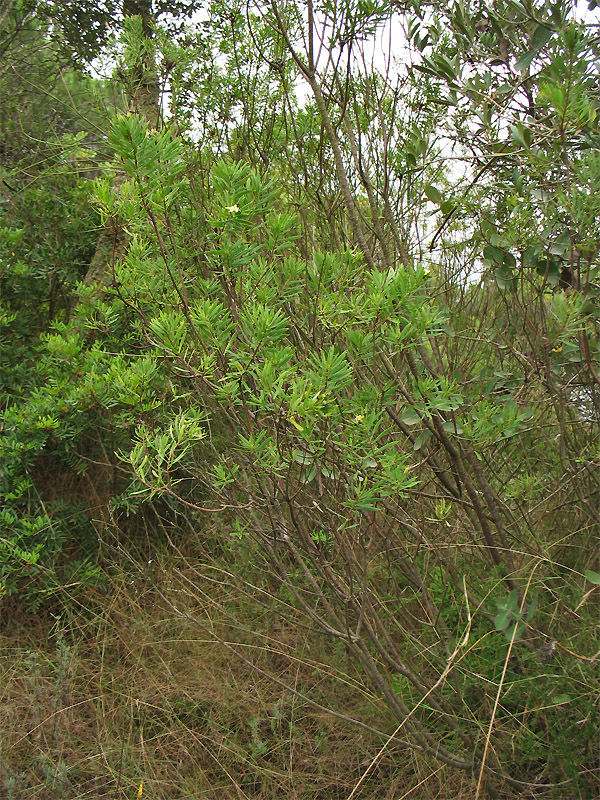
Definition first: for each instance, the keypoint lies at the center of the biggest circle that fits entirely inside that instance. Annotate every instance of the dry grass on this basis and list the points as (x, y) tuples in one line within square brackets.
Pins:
[(126, 690)]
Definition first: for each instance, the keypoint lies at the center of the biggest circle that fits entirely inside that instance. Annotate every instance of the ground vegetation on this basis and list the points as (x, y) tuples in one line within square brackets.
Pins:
[(300, 399)]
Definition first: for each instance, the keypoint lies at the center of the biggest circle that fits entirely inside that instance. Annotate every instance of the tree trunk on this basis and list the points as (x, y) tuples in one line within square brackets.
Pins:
[(142, 87)]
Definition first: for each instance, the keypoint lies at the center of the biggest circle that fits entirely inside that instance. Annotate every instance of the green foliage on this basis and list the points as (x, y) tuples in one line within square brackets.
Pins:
[(154, 457), (405, 441), (511, 619)]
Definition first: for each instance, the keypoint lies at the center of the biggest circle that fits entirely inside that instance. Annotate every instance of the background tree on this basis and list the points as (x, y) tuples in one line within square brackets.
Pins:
[(352, 345)]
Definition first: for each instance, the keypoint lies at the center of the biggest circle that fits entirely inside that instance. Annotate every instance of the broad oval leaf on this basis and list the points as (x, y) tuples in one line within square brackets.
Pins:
[(593, 577), (541, 36), (433, 194), (411, 417)]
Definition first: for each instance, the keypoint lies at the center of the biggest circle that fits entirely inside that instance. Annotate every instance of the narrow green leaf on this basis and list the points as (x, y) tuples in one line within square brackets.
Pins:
[(520, 134), (519, 628), (531, 610)]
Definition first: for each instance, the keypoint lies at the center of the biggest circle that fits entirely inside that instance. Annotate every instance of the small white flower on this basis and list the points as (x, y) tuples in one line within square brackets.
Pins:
[(233, 209)]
